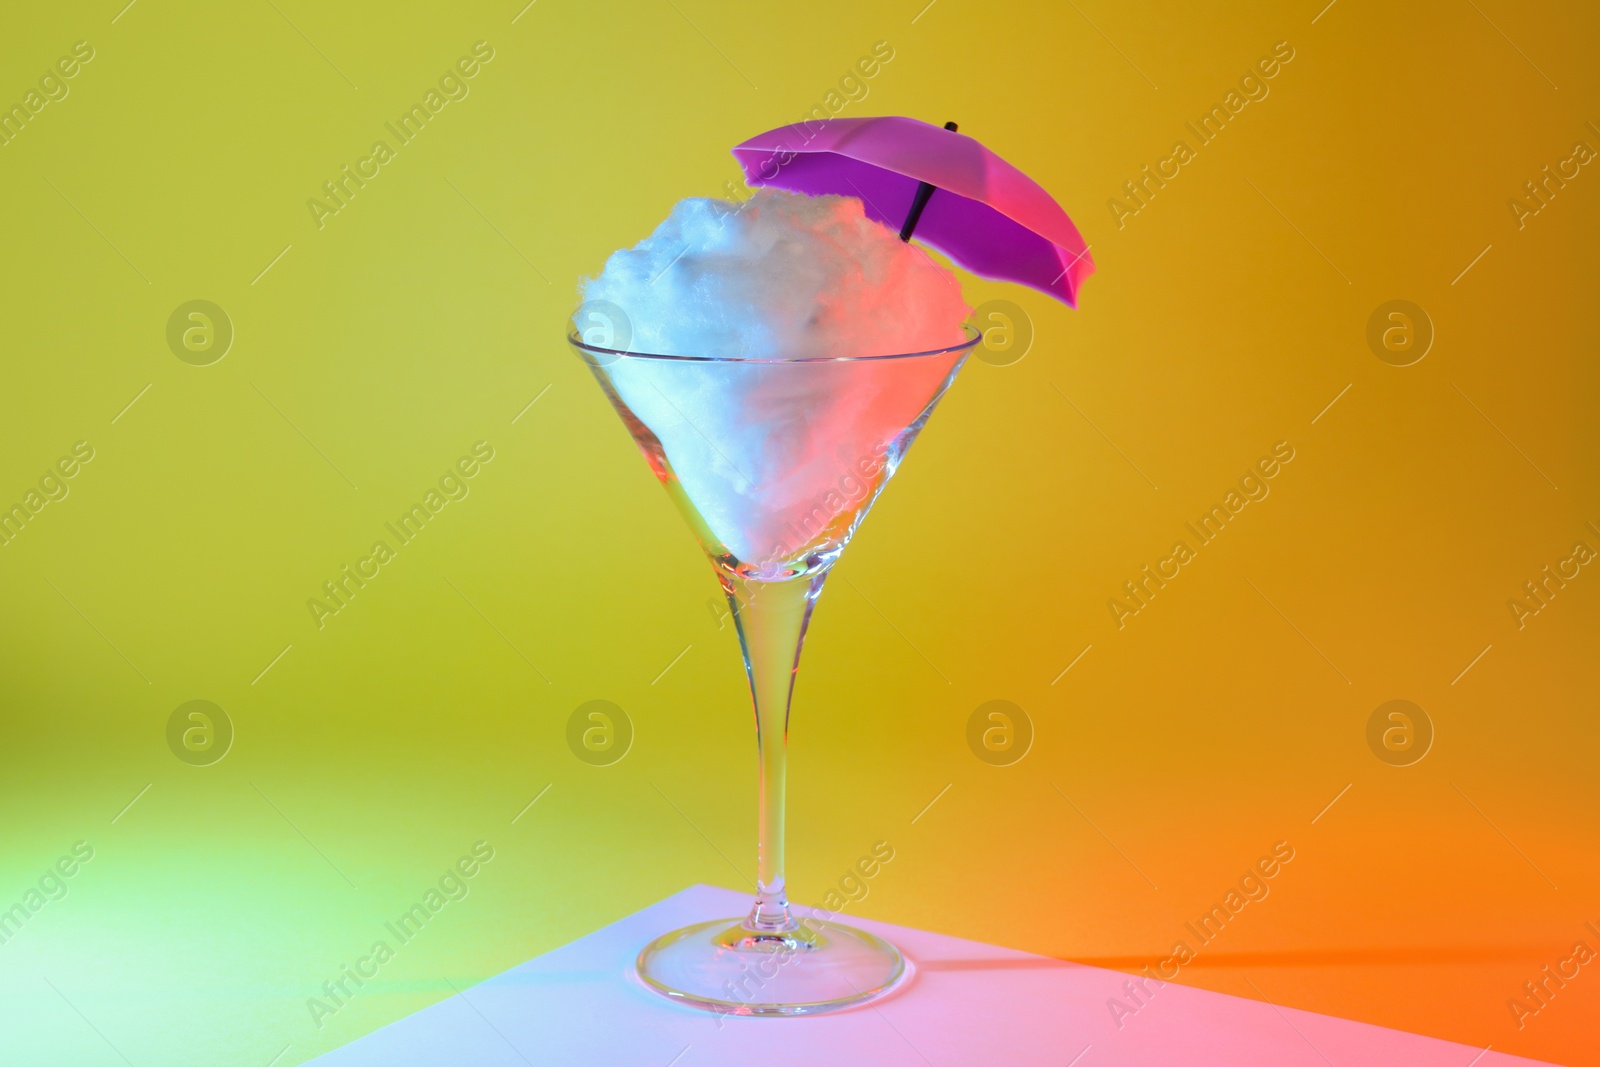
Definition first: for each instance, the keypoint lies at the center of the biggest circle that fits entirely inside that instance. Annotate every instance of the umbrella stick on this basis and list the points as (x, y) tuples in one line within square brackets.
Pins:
[(919, 201)]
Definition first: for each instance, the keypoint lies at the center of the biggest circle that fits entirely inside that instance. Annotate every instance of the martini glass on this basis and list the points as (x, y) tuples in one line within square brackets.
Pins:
[(774, 463)]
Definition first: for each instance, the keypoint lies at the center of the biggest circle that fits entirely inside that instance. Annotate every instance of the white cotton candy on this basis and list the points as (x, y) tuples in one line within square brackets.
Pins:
[(780, 276), (777, 459)]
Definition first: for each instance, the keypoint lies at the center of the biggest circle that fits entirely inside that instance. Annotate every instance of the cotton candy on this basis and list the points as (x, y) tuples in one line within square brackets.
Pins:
[(780, 276), (776, 460)]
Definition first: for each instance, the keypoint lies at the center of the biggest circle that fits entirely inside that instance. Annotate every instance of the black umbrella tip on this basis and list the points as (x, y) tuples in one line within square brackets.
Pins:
[(919, 201)]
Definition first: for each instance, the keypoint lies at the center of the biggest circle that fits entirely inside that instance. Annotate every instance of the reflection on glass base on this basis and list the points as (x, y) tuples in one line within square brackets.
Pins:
[(721, 966)]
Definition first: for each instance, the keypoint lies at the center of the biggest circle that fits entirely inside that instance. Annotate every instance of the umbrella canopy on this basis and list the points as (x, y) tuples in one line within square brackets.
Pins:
[(983, 213)]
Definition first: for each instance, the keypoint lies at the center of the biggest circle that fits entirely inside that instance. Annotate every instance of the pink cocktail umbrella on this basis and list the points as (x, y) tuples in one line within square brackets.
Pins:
[(957, 196)]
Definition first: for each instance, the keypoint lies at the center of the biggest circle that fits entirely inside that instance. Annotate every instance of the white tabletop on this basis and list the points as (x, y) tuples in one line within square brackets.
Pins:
[(967, 1004)]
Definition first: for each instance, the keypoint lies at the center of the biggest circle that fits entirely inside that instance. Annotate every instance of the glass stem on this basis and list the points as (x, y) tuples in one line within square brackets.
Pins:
[(771, 618)]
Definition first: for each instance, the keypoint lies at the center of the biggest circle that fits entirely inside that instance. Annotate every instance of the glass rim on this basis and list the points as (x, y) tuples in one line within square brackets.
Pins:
[(974, 335)]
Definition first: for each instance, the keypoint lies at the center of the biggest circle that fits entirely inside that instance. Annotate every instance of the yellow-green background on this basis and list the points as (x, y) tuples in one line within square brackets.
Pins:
[(423, 318)]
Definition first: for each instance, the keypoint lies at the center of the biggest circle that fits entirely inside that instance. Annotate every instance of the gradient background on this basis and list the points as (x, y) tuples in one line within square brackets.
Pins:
[(427, 315)]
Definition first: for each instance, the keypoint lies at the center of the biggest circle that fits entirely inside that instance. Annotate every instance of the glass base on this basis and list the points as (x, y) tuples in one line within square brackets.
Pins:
[(723, 967)]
